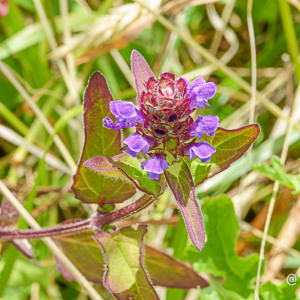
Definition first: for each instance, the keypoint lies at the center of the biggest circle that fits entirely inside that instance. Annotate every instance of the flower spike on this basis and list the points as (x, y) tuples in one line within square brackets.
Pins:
[(163, 121)]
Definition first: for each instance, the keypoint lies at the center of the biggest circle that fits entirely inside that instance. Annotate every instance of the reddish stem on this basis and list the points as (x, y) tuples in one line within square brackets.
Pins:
[(95, 223), (6, 234)]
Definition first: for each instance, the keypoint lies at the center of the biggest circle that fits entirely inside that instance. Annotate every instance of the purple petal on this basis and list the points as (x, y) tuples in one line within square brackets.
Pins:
[(155, 165), (199, 92), (153, 176), (205, 91), (126, 113), (132, 153), (197, 82), (108, 123), (203, 150), (137, 143), (123, 109), (204, 125), (140, 116)]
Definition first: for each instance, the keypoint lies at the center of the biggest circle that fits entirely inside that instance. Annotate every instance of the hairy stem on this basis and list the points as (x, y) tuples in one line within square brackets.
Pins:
[(94, 223), (6, 234), (97, 221)]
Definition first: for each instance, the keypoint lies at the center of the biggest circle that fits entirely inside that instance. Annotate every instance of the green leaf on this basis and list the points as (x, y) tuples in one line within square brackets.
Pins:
[(230, 145), (181, 183), (124, 167), (88, 186), (279, 292), (276, 172), (125, 276), (259, 154), (217, 292), (86, 254), (218, 256)]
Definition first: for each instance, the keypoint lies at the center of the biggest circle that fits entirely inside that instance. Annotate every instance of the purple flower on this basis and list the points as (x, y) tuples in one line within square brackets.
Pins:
[(203, 150), (155, 166), (137, 143), (163, 119), (126, 113), (199, 92), (204, 125)]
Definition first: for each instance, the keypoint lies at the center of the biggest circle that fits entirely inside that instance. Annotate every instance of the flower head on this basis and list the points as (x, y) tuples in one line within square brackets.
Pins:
[(163, 121)]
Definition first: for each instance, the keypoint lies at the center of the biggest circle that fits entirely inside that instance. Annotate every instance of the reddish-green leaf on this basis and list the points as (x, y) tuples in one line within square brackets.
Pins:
[(87, 256), (230, 145), (125, 276), (180, 181), (88, 186), (130, 168), (167, 271), (141, 72)]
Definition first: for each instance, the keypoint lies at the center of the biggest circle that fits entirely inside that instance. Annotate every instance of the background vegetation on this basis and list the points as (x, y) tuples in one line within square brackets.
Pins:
[(48, 51)]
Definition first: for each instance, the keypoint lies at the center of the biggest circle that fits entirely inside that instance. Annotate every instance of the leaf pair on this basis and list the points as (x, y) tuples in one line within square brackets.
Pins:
[(121, 264)]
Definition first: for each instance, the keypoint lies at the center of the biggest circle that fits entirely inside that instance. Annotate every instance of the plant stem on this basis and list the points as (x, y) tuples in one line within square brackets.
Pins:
[(95, 223), (7, 234), (290, 35), (12, 119), (98, 221), (253, 61)]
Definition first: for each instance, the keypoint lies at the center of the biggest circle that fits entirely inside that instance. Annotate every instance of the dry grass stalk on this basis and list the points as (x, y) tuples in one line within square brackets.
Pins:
[(280, 208), (117, 29), (287, 236)]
